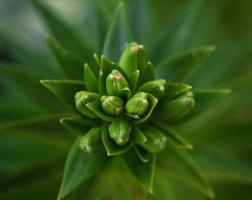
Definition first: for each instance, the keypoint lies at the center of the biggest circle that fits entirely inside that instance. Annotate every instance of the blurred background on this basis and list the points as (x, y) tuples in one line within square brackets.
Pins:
[(227, 135)]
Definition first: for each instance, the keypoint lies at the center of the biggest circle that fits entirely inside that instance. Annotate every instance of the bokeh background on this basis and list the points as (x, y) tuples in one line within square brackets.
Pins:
[(223, 132)]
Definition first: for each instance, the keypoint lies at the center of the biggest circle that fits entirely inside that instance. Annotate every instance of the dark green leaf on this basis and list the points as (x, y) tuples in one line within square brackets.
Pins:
[(148, 74), (181, 167), (64, 90), (64, 33), (78, 168), (71, 65), (78, 125), (176, 67), (118, 34), (90, 79), (142, 172)]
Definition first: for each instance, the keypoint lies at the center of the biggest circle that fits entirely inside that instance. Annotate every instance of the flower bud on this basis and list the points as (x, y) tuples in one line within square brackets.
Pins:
[(134, 57), (156, 140), (112, 105), (82, 98), (156, 88), (177, 108), (116, 84), (120, 131), (91, 141), (138, 104)]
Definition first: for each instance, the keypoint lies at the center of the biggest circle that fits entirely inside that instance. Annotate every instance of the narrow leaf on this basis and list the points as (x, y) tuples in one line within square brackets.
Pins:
[(142, 172), (64, 33), (78, 125), (179, 166), (70, 64), (64, 90), (78, 168), (118, 34), (90, 79), (176, 67)]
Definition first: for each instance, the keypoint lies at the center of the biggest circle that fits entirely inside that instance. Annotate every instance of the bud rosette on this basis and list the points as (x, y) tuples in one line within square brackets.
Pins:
[(124, 109)]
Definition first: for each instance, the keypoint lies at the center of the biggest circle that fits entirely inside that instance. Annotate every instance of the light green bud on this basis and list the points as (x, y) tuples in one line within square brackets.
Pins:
[(120, 131), (91, 141), (156, 88), (138, 104), (134, 57), (116, 84), (156, 140), (112, 105), (82, 99), (177, 108)]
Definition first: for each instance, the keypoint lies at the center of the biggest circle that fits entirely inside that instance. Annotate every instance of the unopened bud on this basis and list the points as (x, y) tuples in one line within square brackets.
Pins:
[(138, 104), (134, 57), (156, 88), (116, 84), (91, 141), (120, 131), (156, 140), (112, 105)]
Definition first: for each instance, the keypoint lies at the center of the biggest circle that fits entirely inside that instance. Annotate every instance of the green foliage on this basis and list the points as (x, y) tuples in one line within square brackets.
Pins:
[(148, 138)]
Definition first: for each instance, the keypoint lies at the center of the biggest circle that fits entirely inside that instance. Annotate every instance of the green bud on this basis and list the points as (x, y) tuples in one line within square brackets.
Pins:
[(112, 105), (138, 104), (156, 140), (177, 108), (120, 131), (134, 57), (91, 141), (82, 98), (116, 84), (156, 88)]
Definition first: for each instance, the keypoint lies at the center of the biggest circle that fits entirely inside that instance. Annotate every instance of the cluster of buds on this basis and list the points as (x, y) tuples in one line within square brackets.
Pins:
[(126, 101)]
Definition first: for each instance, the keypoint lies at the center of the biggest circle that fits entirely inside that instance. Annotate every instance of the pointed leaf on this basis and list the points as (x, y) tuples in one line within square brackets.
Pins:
[(111, 147), (64, 33), (179, 166), (137, 136), (143, 155), (64, 90), (142, 172), (147, 74), (78, 125), (90, 79), (118, 34), (178, 66), (78, 168), (70, 64)]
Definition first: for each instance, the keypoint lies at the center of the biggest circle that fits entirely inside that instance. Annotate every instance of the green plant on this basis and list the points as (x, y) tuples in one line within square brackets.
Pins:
[(125, 116)]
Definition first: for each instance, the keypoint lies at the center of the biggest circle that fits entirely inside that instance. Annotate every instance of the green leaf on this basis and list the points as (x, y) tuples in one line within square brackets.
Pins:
[(179, 166), (148, 74), (78, 125), (79, 167), (111, 147), (90, 79), (143, 155), (133, 80), (173, 135), (142, 172), (23, 79), (118, 34), (70, 64), (178, 66), (138, 136), (64, 90), (173, 90), (64, 33), (178, 32)]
